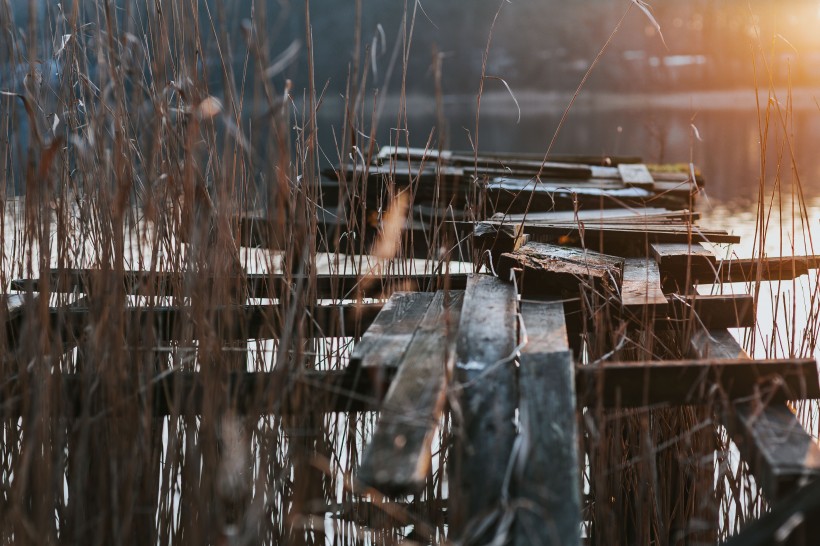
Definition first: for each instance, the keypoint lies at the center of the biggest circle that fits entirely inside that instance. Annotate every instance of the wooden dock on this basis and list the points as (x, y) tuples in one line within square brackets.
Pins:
[(582, 324)]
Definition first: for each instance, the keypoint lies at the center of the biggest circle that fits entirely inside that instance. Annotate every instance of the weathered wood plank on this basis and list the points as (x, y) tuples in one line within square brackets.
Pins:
[(641, 292), (486, 397), (553, 270), (398, 457), (229, 323), (386, 339), (260, 285), (621, 215), (682, 382), (682, 261), (772, 441), (547, 475), (185, 393), (792, 521), (636, 175), (635, 234), (775, 268)]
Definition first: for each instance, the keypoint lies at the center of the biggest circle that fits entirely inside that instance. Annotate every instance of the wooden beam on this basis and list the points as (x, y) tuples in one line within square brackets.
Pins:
[(683, 382), (714, 311), (485, 410), (229, 323), (398, 457), (260, 285), (547, 477), (682, 261), (184, 393), (780, 453)]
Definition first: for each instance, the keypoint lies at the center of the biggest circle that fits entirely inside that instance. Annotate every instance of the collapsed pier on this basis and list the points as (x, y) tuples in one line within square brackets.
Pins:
[(568, 382)]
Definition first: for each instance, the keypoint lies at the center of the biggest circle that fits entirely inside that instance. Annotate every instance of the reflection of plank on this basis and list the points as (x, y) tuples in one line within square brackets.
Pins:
[(778, 450), (398, 457), (486, 405), (547, 484), (641, 292), (551, 269), (636, 175), (681, 382)]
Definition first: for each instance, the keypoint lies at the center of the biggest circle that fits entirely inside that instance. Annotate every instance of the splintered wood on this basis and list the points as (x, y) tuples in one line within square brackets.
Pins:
[(552, 270)]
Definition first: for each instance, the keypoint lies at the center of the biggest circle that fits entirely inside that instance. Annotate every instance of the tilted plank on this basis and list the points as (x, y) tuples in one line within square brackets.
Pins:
[(641, 291), (496, 238), (793, 521), (636, 175), (387, 338), (618, 233), (484, 416), (398, 457), (772, 441), (698, 381), (552, 270), (547, 473)]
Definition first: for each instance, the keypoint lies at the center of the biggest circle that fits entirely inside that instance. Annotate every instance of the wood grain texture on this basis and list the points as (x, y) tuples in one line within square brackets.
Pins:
[(553, 270), (386, 340), (486, 398), (547, 481), (398, 457)]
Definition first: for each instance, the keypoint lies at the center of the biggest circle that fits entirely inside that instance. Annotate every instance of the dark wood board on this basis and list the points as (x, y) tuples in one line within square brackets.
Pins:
[(485, 405), (546, 477), (397, 459), (682, 382)]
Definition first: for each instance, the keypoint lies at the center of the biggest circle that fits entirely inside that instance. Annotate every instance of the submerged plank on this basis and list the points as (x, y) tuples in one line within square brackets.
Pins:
[(780, 453), (398, 457), (547, 474), (484, 416)]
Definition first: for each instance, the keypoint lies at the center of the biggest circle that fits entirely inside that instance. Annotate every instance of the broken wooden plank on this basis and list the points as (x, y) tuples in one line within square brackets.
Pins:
[(492, 239), (682, 382), (641, 293), (683, 262), (636, 175), (398, 457), (486, 395), (552, 270), (547, 474), (625, 215), (780, 453)]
